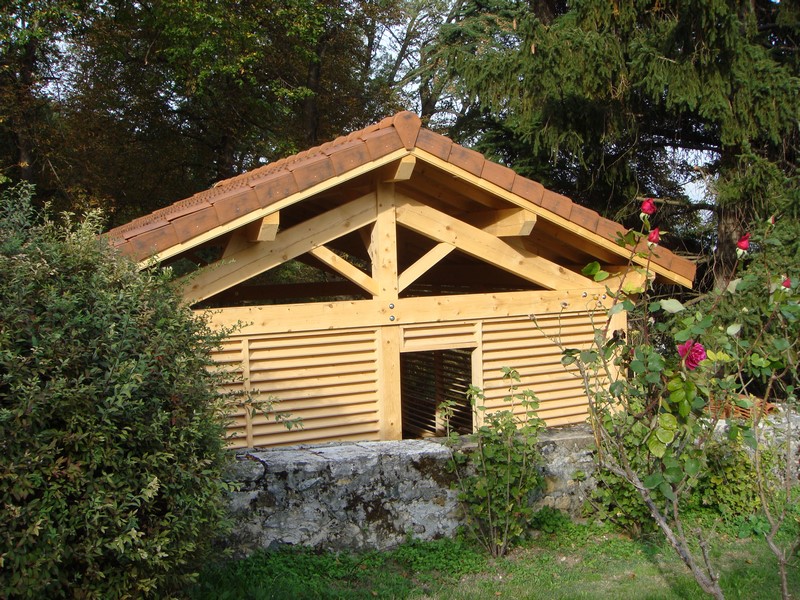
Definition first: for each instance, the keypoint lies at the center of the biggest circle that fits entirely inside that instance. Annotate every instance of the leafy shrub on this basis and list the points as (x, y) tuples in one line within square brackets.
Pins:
[(498, 476), (728, 485), (550, 520), (111, 433)]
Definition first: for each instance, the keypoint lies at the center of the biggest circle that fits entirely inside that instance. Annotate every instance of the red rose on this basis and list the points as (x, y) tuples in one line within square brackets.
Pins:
[(787, 283), (692, 354), (654, 237), (648, 206), (744, 242)]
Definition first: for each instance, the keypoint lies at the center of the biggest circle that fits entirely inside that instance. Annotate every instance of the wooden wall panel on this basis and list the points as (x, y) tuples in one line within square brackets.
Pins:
[(327, 380), (332, 379), (519, 344)]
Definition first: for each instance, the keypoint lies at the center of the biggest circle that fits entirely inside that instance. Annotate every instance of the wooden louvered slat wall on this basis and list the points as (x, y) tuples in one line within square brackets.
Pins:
[(345, 383), (327, 380), (519, 344)]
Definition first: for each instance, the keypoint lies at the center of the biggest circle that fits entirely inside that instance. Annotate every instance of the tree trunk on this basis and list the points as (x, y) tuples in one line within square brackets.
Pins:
[(729, 230), (25, 112), (310, 103)]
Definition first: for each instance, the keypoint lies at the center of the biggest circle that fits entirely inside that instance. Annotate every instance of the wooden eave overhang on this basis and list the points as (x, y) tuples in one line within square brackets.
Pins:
[(237, 202)]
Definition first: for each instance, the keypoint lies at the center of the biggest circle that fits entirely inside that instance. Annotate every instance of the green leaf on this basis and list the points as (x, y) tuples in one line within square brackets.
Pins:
[(618, 307), (667, 421), (731, 289), (591, 269), (733, 330), (673, 474), (678, 395), (601, 275), (671, 305), (653, 480), (666, 490), (665, 436), (692, 466), (657, 447), (675, 383), (638, 366), (781, 344), (684, 408)]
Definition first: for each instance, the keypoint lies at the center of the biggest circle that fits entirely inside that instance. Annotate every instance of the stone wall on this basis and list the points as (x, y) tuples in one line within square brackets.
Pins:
[(374, 495)]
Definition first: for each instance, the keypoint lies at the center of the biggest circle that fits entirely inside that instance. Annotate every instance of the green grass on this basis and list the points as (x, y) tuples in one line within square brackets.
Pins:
[(579, 561)]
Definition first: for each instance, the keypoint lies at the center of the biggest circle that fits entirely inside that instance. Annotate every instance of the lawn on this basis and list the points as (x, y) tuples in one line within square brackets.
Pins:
[(579, 561)]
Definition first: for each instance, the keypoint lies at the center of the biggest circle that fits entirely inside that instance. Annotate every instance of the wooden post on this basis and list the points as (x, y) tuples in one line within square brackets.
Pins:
[(383, 252)]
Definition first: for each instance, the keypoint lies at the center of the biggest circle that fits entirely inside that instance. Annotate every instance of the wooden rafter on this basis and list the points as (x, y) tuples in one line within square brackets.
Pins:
[(479, 244), (401, 170), (573, 233), (297, 240), (264, 229)]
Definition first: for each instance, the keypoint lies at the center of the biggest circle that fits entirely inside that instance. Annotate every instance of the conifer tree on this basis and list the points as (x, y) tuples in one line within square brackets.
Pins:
[(610, 102)]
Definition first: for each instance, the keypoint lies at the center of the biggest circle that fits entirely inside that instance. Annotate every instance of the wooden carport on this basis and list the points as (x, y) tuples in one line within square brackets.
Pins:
[(420, 264)]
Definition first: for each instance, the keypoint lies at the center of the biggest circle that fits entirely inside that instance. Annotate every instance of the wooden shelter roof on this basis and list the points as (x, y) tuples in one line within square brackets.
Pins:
[(390, 144)]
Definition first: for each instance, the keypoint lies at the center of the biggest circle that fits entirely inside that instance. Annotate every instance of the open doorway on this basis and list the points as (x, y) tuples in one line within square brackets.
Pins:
[(428, 379)]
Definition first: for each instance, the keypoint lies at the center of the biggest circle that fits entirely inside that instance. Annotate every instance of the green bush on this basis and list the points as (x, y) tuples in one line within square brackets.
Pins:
[(111, 433), (499, 476)]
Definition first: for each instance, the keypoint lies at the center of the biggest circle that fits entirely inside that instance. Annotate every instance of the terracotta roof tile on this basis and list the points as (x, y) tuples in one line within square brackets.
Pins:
[(584, 217), (144, 225), (556, 203), (311, 171), (382, 142), (196, 223), (608, 229), (684, 268), (261, 187), (438, 145), (407, 125), (467, 159), (498, 175), (348, 155), (187, 208), (151, 242), (238, 204), (274, 187), (532, 191)]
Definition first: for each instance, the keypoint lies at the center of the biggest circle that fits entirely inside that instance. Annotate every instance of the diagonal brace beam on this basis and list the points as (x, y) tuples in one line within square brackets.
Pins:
[(291, 243)]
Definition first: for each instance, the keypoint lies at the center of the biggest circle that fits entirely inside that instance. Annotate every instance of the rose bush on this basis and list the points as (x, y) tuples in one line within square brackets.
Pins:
[(658, 393)]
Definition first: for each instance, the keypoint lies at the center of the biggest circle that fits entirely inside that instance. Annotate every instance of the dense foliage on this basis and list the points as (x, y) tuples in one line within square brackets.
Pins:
[(111, 432), (609, 102), (133, 105)]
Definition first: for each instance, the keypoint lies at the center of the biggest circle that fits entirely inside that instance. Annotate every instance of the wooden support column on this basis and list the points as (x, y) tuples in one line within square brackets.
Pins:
[(383, 253)]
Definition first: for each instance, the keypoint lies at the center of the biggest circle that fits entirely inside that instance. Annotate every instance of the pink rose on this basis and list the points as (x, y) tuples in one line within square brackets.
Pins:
[(654, 237), (692, 354), (744, 242), (648, 206), (787, 283)]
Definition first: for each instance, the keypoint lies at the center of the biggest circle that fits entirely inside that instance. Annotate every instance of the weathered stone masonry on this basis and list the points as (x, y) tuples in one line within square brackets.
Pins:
[(374, 495)]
